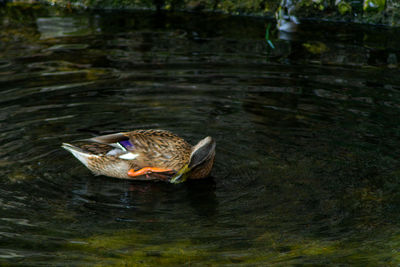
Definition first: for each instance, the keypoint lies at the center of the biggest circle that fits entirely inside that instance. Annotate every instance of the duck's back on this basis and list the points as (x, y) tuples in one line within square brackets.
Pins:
[(159, 148)]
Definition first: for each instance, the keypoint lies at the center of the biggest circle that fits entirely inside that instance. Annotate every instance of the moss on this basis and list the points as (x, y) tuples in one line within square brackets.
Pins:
[(344, 7), (310, 5), (374, 5)]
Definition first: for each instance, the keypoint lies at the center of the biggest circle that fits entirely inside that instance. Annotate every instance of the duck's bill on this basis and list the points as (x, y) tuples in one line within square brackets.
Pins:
[(181, 176)]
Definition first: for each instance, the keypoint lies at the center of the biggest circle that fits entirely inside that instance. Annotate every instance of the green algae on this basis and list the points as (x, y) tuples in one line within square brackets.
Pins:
[(288, 248), (316, 47), (130, 248)]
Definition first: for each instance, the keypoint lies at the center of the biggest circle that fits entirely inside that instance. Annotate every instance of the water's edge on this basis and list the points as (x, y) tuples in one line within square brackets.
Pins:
[(366, 12)]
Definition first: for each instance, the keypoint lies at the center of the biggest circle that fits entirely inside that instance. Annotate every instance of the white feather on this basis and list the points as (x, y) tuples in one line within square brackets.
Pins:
[(128, 155), (114, 152), (121, 146)]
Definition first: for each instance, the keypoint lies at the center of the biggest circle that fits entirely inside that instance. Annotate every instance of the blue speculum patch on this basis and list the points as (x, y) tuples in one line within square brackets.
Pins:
[(127, 144)]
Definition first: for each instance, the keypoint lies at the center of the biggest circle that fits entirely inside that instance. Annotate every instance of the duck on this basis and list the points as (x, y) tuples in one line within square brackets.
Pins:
[(145, 155)]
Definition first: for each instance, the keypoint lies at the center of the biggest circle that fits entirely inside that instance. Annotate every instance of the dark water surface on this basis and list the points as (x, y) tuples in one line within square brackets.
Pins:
[(308, 140)]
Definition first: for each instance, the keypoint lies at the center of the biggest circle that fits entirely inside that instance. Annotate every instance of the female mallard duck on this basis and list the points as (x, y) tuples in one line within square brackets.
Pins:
[(145, 155)]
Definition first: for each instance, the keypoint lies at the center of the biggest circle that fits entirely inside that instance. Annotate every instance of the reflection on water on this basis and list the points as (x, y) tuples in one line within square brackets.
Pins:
[(53, 27), (308, 140)]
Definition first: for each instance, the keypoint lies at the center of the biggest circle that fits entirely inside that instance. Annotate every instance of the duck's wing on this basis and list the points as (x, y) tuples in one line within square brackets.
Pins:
[(150, 153), (110, 139), (160, 148), (139, 146), (117, 145), (148, 148)]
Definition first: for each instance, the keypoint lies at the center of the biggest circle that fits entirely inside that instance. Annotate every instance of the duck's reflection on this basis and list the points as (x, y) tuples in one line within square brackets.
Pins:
[(151, 197), (201, 196)]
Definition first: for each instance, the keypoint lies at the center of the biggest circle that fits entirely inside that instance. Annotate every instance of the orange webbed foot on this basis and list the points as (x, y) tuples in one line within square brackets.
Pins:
[(146, 171)]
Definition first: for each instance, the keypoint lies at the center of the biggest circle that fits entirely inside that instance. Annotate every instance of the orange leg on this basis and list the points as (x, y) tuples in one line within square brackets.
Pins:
[(146, 170)]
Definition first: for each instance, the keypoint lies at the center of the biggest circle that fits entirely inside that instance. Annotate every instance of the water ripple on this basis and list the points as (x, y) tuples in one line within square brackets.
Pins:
[(307, 143)]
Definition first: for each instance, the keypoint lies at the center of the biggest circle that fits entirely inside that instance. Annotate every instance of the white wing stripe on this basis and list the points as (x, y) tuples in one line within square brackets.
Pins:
[(128, 155)]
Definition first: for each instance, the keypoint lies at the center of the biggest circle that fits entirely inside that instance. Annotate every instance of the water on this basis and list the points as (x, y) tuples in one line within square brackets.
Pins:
[(308, 140)]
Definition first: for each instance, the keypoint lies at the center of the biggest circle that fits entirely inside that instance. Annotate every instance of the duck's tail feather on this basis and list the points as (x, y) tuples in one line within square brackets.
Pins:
[(82, 155)]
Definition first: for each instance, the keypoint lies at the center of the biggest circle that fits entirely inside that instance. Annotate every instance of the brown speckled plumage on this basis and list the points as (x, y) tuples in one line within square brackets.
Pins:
[(148, 148)]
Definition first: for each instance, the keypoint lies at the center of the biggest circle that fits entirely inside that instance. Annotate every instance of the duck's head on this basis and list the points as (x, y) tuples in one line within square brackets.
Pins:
[(200, 162)]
